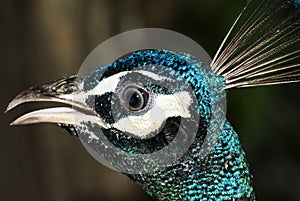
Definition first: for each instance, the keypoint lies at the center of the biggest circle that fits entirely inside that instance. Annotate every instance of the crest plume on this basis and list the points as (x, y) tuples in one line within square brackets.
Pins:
[(262, 47)]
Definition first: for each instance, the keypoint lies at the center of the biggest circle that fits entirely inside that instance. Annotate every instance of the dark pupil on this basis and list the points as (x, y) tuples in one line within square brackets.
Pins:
[(135, 101), (135, 98)]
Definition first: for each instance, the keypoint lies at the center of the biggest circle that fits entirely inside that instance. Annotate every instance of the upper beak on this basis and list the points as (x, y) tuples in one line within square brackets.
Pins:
[(64, 91)]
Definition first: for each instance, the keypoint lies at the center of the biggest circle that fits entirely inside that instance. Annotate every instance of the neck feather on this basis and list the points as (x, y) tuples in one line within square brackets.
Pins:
[(221, 175)]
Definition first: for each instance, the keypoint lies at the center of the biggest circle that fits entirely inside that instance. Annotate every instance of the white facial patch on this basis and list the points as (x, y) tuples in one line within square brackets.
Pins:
[(165, 106)]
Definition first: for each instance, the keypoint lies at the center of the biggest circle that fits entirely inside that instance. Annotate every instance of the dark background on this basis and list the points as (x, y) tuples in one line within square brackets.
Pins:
[(42, 40)]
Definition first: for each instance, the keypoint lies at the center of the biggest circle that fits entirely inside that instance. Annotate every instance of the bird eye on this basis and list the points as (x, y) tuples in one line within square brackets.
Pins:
[(135, 98)]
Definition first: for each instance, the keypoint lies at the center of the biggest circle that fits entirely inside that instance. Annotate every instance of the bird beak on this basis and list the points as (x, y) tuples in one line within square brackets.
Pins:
[(65, 91)]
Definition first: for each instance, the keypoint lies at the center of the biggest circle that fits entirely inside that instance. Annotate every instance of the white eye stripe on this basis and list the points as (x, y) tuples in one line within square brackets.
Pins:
[(110, 84)]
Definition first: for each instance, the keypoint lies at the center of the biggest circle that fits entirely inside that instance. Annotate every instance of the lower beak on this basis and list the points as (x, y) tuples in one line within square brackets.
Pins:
[(61, 91)]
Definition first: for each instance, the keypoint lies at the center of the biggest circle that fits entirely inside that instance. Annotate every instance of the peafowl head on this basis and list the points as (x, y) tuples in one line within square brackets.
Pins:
[(140, 113), (157, 113)]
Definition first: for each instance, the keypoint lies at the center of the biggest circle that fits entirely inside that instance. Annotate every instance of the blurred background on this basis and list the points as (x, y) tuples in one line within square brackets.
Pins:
[(42, 40)]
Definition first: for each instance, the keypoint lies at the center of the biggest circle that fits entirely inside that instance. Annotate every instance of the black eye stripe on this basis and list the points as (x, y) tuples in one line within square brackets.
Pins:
[(102, 105)]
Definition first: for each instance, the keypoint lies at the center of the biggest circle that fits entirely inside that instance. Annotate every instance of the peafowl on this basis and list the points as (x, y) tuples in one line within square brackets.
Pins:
[(157, 115)]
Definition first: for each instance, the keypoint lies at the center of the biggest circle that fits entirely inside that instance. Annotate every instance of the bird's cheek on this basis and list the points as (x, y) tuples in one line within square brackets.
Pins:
[(141, 126)]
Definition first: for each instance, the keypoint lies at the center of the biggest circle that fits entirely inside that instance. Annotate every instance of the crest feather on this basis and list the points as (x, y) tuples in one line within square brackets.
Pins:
[(262, 46)]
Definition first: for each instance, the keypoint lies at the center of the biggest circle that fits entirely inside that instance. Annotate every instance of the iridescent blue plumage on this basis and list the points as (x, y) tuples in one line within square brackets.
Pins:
[(297, 2), (220, 175)]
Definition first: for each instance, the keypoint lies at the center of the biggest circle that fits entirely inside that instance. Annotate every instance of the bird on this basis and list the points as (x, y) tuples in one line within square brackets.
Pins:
[(157, 115)]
